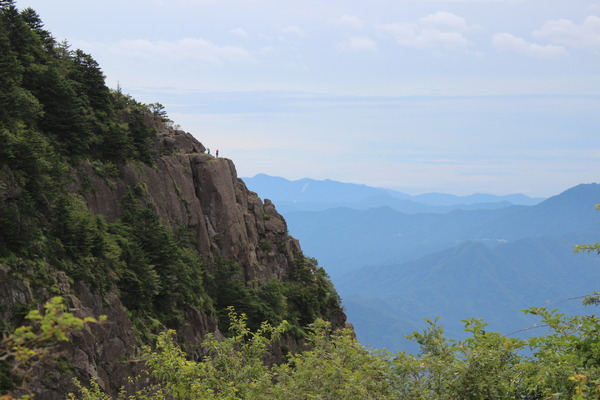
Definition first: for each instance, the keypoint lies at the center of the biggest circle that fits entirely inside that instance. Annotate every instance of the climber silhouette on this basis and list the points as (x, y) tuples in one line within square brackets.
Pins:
[(217, 153)]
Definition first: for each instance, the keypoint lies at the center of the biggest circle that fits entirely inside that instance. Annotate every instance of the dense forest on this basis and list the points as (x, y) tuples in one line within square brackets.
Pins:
[(58, 119), (57, 112)]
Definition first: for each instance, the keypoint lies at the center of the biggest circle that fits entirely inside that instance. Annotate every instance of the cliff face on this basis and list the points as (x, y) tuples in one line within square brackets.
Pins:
[(103, 204), (189, 190)]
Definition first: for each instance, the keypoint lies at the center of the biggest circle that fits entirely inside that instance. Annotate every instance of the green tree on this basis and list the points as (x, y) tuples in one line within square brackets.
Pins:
[(17, 105), (335, 366), (66, 118), (233, 369), (159, 110), (88, 74), (33, 20), (26, 43)]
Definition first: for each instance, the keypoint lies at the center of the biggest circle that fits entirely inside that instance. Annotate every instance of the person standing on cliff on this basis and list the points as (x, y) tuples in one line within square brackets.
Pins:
[(208, 150), (217, 153)]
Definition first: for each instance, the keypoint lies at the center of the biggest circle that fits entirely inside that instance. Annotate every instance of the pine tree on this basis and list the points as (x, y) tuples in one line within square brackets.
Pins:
[(16, 103), (23, 40), (33, 20), (88, 74), (4, 4)]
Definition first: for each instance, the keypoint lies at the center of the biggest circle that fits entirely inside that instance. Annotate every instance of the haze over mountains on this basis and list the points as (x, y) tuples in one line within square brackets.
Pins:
[(397, 259), (314, 195)]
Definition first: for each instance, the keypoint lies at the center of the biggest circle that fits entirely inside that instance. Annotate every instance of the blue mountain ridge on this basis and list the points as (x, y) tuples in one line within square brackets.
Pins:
[(316, 195), (344, 239), (394, 268), (469, 281)]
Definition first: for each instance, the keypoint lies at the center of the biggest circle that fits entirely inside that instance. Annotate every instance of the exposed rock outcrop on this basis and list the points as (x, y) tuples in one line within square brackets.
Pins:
[(188, 189), (192, 189)]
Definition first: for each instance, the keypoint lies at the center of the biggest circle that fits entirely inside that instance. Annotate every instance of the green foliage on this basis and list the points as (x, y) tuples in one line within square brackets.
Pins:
[(93, 392), (233, 369), (484, 366), (489, 365), (30, 345), (227, 287), (310, 294), (163, 277), (564, 363), (266, 246), (159, 110), (67, 119), (336, 366), (55, 113), (83, 247), (480, 367), (270, 302), (54, 110), (46, 87), (592, 299), (30, 177), (140, 136), (571, 349)]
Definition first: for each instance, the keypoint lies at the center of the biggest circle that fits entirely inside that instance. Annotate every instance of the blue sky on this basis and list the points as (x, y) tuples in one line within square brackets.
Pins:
[(457, 96)]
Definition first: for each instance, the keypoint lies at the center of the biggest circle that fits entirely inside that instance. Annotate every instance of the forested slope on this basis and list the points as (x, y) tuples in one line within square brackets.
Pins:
[(104, 202)]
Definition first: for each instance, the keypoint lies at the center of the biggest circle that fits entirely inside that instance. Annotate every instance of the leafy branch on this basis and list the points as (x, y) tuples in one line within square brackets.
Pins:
[(29, 345)]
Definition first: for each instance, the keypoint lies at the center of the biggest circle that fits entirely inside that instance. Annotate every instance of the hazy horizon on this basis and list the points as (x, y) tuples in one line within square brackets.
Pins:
[(404, 191), (453, 96)]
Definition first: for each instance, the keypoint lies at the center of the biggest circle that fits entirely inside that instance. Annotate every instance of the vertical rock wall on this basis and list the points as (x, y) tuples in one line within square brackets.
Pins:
[(191, 189), (188, 189)]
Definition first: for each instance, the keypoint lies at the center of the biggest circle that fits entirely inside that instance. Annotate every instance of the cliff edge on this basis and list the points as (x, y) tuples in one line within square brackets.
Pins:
[(240, 240), (104, 203)]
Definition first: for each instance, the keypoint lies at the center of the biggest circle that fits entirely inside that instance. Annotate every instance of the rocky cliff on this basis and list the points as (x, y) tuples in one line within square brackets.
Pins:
[(105, 204), (190, 191), (189, 188)]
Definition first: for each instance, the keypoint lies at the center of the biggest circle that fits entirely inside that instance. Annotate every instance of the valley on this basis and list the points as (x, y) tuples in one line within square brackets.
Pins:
[(470, 259)]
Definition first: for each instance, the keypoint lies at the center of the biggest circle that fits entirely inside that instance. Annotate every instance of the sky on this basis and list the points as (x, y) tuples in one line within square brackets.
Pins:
[(454, 96)]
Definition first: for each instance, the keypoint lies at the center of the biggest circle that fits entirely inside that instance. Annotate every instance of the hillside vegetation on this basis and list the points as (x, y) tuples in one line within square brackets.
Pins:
[(565, 363), (58, 121), (104, 202)]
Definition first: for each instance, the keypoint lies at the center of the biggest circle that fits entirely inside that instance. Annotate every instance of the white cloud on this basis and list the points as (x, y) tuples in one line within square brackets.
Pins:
[(239, 32), (566, 32), (293, 30), (440, 30), (508, 42), (357, 43), (188, 49), (347, 20), (594, 6), (446, 21), (266, 50)]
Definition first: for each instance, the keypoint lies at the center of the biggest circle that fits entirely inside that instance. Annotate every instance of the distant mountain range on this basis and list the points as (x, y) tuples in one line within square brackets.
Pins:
[(469, 281), (315, 195), (479, 256), (344, 239)]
